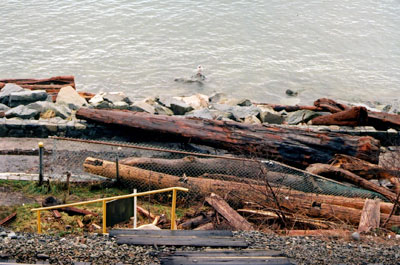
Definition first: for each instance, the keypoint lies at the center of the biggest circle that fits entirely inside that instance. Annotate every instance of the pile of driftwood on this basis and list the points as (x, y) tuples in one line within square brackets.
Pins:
[(252, 190), (51, 85)]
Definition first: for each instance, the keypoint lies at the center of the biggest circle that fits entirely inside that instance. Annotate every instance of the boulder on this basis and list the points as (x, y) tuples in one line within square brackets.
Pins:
[(141, 106), (114, 97), (235, 102), (25, 97), (270, 116), (4, 107), (201, 113), (244, 102), (217, 97), (7, 90), (71, 98), (240, 113), (178, 107), (60, 110), (252, 120), (22, 112), (197, 101), (161, 110), (97, 98), (301, 116), (120, 105)]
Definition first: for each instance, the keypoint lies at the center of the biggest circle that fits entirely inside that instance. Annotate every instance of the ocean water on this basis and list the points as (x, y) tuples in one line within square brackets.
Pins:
[(346, 50)]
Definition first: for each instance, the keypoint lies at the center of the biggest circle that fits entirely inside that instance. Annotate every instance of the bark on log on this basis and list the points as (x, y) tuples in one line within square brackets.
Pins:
[(379, 120), (370, 216), (328, 170), (289, 108), (238, 191), (8, 219), (233, 218), (356, 116), (207, 226), (196, 221), (292, 145), (145, 213), (57, 80)]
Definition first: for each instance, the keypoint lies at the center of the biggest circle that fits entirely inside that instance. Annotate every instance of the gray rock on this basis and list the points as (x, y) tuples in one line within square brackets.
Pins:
[(355, 236), (120, 105), (240, 113), (114, 97), (178, 107), (217, 97), (161, 110), (252, 120), (197, 101), (71, 98), (26, 97), (3, 234), (4, 107), (22, 112), (201, 113), (244, 103), (270, 116), (60, 110), (7, 90), (301, 116), (142, 106)]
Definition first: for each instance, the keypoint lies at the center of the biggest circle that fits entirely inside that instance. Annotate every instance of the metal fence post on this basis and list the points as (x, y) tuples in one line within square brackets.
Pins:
[(104, 217), (39, 225), (134, 209), (40, 163)]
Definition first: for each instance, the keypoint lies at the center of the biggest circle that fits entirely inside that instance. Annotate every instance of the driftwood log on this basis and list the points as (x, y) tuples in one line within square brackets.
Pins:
[(292, 145), (294, 201), (328, 170), (356, 116)]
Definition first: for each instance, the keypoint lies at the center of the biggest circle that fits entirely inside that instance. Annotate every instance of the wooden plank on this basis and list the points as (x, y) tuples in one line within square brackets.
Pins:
[(181, 241), (56, 214), (225, 260), (8, 218), (229, 253), (234, 219), (370, 216), (198, 233)]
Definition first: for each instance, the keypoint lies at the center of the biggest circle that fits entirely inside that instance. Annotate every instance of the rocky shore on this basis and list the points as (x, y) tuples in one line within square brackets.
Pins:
[(32, 113), (98, 249)]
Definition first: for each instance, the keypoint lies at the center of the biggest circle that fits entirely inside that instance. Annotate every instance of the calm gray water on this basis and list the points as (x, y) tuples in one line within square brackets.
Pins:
[(347, 49)]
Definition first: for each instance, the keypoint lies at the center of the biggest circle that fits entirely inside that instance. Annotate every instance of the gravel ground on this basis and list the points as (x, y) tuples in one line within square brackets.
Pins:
[(99, 249)]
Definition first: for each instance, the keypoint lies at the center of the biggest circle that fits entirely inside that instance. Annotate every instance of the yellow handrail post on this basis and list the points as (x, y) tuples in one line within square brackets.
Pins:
[(104, 217), (39, 227), (173, 209)]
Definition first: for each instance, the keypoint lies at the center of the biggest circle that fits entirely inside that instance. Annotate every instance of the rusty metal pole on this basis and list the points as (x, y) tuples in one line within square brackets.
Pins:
[(40, 163)]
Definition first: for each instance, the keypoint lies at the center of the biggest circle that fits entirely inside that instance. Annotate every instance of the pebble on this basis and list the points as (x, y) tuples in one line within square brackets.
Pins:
[(355, 236)]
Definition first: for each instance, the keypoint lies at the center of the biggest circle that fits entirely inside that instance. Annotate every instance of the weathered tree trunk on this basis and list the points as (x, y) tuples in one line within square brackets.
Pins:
[(379, 120), (370, 216), (356, 116), (239, 190), (48, 83), (323, 169), (292, 145), (233, 218)]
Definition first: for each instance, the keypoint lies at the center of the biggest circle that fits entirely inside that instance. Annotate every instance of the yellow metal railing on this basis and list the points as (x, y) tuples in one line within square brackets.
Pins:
[(104, 200)]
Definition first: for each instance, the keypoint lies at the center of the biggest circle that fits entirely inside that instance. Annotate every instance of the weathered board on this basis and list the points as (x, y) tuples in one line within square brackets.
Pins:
[(138, 232)]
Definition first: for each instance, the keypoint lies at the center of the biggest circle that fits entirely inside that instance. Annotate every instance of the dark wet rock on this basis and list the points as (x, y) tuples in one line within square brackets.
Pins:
[(60, 110), (178, 107), (4, 107), (301, 116), (201, 113), (6, 91), (291, 93), (22, 112), (102, 105), (141, 106), (26, 97)]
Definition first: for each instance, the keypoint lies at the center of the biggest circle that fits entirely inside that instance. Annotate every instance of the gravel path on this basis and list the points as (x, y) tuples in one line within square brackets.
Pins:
[(99, 249)]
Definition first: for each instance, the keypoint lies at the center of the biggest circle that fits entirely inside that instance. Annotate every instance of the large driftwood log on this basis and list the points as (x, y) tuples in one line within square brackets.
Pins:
[(239, 189), (292, 145), (233, 218), (379, 120), (356, 116), (323, 169), (56, 82), (240, 192)]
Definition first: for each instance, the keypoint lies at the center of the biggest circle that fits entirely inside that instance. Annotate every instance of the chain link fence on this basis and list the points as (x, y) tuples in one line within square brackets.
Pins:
[(201, 169)]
